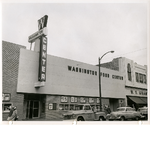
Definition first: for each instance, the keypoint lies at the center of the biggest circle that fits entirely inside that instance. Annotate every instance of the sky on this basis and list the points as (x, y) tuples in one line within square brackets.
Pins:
[(82, 31)]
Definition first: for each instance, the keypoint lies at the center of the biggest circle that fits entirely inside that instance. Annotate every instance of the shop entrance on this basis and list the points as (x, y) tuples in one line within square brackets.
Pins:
[(32, 110)]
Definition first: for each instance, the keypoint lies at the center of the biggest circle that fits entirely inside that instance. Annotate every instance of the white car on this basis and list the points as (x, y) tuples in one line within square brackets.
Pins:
[(125, 113)]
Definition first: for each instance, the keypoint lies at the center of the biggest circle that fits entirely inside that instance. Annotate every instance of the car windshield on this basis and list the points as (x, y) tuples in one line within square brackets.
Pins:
[(79, 107), (121, 109)]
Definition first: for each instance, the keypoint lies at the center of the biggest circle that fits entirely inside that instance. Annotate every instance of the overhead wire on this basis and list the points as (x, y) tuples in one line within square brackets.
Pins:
[(124, 54)]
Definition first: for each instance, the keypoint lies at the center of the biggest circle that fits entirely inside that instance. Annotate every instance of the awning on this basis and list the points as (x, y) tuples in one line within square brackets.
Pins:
[(144, 99), (137, 100)]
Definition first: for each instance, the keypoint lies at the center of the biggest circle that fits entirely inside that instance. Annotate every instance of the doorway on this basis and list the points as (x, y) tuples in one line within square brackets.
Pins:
[(32, 110)]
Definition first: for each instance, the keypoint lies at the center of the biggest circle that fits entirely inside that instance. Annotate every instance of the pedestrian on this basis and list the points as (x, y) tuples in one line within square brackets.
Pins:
[(10, 108), (12, 114), (108, 109)]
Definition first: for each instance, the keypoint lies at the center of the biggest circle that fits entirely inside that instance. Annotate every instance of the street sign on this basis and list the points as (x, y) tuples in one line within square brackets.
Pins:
[(37, 34)]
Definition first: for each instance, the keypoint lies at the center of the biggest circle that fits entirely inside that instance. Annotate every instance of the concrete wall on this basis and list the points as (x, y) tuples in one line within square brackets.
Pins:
[(61, 81)]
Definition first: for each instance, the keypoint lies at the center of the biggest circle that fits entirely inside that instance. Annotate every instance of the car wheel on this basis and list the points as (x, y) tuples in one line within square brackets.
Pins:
[(80, 119), (122, 118), (101, 118)]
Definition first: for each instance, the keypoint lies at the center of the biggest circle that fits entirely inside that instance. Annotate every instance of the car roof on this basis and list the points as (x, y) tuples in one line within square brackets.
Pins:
[(143, 107), (83, 104), (124, 107)]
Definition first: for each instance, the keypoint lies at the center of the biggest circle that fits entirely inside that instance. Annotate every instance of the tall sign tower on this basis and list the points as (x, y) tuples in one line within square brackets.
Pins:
[(40, 40)]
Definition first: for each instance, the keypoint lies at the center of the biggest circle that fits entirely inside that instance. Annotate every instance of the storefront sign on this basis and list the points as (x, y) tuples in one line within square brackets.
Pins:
[(42, 22), (74, 100), (98, 100), (136, 92), (42, 59), (34, 36), (50, 106), (82, 70), (63, 99), (91, 100), (117, 77), (82, 100), (121, 101), (6, 97)]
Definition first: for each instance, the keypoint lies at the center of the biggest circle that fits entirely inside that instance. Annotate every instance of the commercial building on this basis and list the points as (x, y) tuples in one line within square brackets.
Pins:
[(67, 83)]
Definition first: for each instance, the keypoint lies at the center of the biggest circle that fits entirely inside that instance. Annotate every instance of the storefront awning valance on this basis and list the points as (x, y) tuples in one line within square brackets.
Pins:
[(138, 100)]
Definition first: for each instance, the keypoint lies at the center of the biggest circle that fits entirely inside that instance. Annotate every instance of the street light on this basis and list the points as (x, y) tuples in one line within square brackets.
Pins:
[(100, 78)]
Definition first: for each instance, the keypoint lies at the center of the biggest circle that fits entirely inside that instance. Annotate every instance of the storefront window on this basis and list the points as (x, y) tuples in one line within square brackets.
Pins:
[(66, 107), (6, 107), (61, 107), (72, 107)]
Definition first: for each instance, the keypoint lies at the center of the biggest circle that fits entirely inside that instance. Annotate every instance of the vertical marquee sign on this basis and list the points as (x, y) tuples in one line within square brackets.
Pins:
[(42, 59), (41, 34)]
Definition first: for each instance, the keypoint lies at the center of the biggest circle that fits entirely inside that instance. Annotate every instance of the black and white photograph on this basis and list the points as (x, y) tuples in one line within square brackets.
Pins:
[(75, 62)]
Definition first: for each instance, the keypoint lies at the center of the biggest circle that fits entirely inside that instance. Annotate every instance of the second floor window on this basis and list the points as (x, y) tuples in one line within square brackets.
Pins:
[(129, 72), (137, 77), (141, 78)]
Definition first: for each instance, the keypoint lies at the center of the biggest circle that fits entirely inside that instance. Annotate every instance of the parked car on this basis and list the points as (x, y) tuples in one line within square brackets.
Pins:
[(125, 113), (84, 112), (144, 111)]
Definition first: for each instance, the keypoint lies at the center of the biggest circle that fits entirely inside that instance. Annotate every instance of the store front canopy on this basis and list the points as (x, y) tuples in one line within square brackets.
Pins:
[(138, 100), (144, 99)]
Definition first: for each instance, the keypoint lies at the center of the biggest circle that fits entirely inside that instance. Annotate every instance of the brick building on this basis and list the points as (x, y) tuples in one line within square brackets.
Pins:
[(10, 59), (68, 83)]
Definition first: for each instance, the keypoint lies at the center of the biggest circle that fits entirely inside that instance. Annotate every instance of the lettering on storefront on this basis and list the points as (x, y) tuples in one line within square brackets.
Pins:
[(82, 70), (92, 72), (117, 77), (64, 99), (74, 100), (42, 59), (138, 92)]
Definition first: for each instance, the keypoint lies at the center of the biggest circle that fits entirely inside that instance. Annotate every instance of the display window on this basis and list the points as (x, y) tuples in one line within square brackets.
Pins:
[(5, 107), (72, 107), (63, 107)]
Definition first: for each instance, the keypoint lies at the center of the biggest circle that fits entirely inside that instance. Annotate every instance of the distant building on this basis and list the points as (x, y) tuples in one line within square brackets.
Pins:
[(68, 83), (135, 77)]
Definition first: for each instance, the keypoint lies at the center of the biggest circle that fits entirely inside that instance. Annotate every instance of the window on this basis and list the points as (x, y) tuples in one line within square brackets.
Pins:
[(137, 77), (129, 72), (144, 79), (5, 107), (141, 78)]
